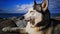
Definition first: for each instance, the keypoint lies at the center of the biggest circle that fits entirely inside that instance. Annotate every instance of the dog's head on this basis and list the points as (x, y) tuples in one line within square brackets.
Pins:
[(42, 6), (37, 13)]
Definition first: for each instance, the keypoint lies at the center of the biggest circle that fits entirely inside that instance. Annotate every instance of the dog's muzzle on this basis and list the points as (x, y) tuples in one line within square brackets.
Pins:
[(27, 20), (22, 18)]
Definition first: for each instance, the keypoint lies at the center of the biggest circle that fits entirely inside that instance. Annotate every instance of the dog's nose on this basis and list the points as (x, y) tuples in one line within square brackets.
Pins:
[(22, 18)]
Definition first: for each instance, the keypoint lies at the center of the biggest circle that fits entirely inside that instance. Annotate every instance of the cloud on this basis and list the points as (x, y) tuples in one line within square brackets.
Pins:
[(18, 9), (24, 7)]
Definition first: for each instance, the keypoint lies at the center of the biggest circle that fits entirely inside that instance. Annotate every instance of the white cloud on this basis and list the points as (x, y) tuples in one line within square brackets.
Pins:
[(19, 8), (24, 7)]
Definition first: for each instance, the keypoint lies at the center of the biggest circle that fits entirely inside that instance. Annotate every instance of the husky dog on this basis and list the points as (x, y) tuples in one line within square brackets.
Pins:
[(39, 21)]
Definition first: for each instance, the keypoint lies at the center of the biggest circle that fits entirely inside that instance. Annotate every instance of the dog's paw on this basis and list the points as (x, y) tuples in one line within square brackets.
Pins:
[(6, 29)]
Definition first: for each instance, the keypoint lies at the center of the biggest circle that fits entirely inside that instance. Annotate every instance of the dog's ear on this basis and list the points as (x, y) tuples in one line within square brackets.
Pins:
[(45, 5), (34, 2)]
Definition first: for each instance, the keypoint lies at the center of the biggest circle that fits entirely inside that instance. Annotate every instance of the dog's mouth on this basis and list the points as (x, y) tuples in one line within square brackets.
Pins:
[(27, 20), (30, 18)]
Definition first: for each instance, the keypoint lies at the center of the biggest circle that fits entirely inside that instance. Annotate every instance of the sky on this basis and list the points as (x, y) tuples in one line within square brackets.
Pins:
[(21, 6)]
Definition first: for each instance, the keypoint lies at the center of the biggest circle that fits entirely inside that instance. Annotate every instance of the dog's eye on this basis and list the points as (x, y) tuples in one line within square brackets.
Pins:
[(31, 11)]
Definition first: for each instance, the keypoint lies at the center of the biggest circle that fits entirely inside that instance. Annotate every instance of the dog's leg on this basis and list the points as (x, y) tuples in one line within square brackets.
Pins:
[(21, 30), (5, 29)]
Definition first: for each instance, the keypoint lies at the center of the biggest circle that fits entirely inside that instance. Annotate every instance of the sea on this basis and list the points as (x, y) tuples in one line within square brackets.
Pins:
[(7, 15)]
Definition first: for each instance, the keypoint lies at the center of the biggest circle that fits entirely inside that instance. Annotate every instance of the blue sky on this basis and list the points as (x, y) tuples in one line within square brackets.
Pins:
[(21, 6)]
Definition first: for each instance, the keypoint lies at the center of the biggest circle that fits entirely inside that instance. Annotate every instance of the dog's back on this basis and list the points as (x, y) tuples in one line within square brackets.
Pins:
[(56, 26)]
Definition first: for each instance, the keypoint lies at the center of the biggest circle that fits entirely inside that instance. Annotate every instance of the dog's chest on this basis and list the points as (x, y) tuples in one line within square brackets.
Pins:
[(31, 30)]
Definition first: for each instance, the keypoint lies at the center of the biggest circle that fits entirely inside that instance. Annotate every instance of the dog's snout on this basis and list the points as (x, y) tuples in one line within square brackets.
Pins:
[(22, 18), (27, 20)]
